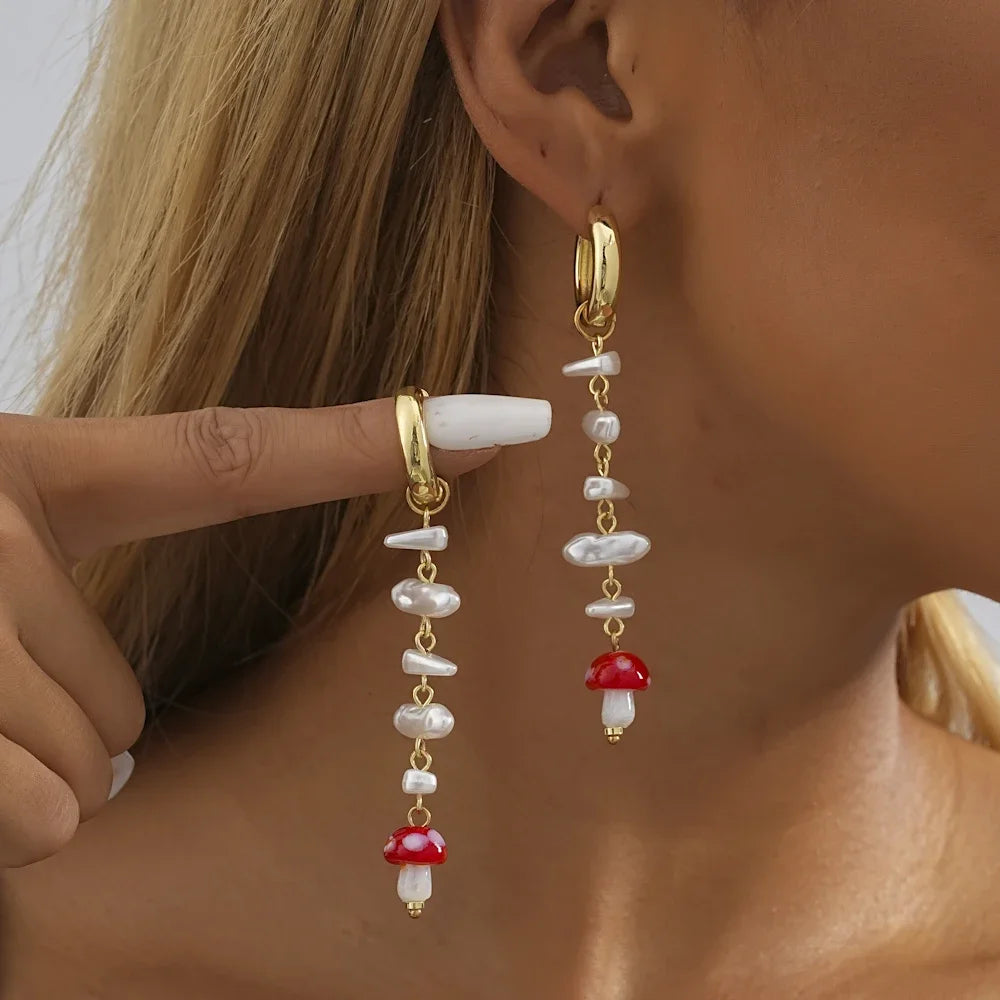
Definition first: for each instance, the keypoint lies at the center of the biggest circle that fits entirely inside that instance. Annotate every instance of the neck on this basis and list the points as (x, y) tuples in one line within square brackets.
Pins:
[(765, 611), (771, 584)]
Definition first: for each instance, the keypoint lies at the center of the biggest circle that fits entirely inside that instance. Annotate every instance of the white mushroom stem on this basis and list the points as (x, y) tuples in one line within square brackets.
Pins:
[(618, 710), (414, 883)]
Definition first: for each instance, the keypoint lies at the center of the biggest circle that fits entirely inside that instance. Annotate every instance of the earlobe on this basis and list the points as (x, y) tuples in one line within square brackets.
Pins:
[(535, 81)]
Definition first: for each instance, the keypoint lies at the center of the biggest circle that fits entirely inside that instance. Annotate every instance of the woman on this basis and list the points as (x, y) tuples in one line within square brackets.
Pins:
[(303, 203)]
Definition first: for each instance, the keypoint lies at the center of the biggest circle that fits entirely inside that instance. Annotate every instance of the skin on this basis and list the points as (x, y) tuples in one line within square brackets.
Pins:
[(810, 227)]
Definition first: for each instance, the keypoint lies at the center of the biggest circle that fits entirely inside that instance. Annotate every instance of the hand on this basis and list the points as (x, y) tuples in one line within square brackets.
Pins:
[(69, 702)]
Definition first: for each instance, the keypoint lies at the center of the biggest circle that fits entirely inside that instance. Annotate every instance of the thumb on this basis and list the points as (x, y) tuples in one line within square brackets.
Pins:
[(105, 481)]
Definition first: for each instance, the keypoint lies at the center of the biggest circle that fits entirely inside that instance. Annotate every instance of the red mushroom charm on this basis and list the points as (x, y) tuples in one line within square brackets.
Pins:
[(415, 849), (619, 675)]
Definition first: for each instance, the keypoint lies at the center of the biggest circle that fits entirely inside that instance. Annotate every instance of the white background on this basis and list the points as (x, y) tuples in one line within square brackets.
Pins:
[(43, 48)]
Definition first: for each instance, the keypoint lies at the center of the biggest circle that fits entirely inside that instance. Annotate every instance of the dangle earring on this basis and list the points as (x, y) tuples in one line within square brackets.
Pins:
[(416, 847), (617, 674)]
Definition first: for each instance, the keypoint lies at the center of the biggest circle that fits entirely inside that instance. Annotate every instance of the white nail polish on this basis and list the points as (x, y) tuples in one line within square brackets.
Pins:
[(466, 422), (122, 767)]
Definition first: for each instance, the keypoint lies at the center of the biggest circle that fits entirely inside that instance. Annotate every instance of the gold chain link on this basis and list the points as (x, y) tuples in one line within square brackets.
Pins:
[(596, 334), (599, 387), (427, 571), (421, 753), (607, 522), (612, 586), (425, 640), (418, 807), (613, 628), (423, 693)]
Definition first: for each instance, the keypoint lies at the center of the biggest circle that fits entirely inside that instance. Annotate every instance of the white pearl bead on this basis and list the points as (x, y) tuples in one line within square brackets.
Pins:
[(604, 488), (435, 600), (618, 709), (434, 539), (413, 884), (602, 426), (621, 607), (427, 664), (419, 782), (423, 722), (617, 549), (601, 364)]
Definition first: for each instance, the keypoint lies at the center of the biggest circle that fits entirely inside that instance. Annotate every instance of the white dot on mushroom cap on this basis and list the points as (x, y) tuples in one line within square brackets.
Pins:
[(413, 841), (435, 838)]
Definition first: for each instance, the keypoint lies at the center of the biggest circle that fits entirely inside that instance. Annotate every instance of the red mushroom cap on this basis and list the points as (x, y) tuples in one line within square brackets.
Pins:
[(618, 672), (416, 845)]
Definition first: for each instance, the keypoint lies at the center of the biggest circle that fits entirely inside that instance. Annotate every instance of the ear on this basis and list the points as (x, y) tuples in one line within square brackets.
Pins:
[(546, 85)]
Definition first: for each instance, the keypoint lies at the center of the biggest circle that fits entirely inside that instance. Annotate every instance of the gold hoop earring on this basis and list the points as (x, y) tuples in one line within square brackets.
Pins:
[(597, 270), (619, 674), (416, 847)]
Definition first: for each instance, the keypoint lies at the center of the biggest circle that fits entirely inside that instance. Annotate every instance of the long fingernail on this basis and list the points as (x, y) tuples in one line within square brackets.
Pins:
[(463, 423), (122, 767)]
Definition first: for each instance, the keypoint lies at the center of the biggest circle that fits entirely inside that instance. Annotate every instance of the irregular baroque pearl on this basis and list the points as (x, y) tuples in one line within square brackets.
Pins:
[(602, 426), (435, 600), (622, 607), (601, 364), (433, 539), (417, 782), (604, 488), (617, 549), (427, 664), (423, 722)]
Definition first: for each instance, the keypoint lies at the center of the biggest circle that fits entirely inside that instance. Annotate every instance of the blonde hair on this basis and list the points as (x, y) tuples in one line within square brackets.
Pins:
[(282, 202), (946, 669)]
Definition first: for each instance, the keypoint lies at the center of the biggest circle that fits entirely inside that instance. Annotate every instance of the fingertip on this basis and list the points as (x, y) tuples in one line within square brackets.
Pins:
[(39, 812)]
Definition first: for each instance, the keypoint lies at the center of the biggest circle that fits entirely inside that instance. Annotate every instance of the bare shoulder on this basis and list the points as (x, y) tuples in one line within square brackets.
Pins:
[(971, 868), (956, 955), (964, 980), (948, 945)]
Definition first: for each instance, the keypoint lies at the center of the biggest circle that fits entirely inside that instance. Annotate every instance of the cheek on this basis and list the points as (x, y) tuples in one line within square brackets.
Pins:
[(843, 252)]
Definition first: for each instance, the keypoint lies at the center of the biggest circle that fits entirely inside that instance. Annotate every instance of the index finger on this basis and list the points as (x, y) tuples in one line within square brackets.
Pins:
[(104, 481)]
